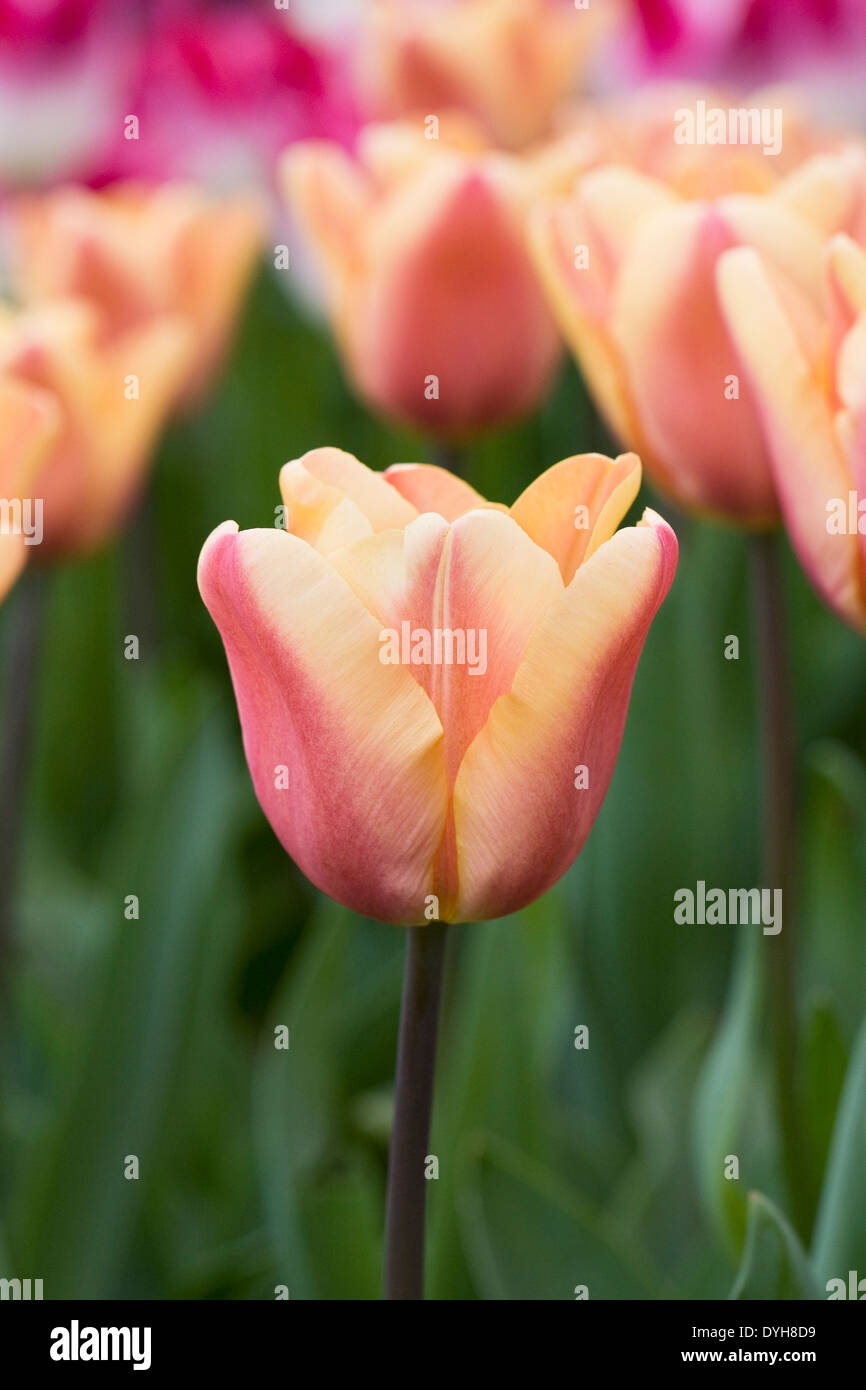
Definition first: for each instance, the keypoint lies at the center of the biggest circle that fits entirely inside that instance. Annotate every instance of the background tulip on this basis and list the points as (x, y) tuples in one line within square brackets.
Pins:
[(112, 398), (139, 253), (808, 376), (431, 291), (415, 58), (639, 305), (406, 781), (28, 420)]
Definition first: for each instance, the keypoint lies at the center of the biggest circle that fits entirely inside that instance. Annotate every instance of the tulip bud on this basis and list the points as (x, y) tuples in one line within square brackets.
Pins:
[(140, 254), (808, 376), (111, 399), (418, 672), (641, 311), (434, 301)]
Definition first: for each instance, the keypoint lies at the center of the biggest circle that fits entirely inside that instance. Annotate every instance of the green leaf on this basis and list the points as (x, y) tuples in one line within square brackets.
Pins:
[(528, 1235), (774, 1264), (136, 1015), (839, 1242), (824, 1062), (722, 1093)]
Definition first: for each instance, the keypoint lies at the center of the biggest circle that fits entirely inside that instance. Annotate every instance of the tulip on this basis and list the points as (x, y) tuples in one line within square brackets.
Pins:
[(111, 401), (507, 63), (140, 254), (431, 291), (29, 419), (64, 69), (220, 90), (411, 788), (808, 376), (630, 269)]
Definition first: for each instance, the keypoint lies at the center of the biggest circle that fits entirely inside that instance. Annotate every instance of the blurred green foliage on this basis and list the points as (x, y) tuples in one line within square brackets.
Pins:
[(558, 1167)]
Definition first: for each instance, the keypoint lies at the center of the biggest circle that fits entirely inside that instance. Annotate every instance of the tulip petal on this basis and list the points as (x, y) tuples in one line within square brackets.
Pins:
[(447, 264), (809, 468), (576, 505), (366, 802), (29, 419), (520, 821), (434, 489), (329, 197), (440, 577), (705, 447), (333, 499)]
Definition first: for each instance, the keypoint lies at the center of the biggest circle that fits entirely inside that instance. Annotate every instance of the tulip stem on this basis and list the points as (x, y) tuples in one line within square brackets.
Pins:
[(20, 698), (773, 683), (413, 1100)]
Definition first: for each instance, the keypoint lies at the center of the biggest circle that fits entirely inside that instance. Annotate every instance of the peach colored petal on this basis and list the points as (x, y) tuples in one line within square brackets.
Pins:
[(520, 821), (437, 576), (579, 295), (329, 196), (825, 190), (809, 468), (430, 488), (339, 476), (576, 505), (29, 420), (447, 265), (366, 801), (679, 359)]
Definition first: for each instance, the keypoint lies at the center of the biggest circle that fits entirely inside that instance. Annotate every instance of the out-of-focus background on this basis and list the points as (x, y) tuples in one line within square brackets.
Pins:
[(155, 1037)]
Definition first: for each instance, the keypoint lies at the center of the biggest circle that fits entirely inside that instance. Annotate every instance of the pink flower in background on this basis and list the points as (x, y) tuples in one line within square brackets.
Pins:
[(221, 90), (820, 44), (64, 67)]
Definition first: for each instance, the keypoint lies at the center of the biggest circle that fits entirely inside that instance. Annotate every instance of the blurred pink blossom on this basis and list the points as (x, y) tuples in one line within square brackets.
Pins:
[(64, 68), (750, 42), (220, 90), (217, 89)]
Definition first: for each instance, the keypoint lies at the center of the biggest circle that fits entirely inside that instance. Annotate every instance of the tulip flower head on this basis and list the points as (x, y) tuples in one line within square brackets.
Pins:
[(111, 401), (630, 268), (431, 291), (139, 254), (432, 688), (507, 63), (29, 419), (807, 371)]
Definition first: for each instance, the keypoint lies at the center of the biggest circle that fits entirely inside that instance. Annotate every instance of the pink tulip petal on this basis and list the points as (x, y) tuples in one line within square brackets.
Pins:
[(447, 267), (365, 808), (520, 821), (809, 468), (437, 576), (678, 355), (434, 489)]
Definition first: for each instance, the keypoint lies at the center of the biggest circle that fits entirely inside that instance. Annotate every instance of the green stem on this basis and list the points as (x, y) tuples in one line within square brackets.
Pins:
[(18, 716), (413, 1100), (773, 685)]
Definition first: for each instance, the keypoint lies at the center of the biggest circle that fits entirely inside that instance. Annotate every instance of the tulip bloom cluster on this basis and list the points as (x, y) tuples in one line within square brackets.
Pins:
[(129, 297), (631, 269), (417, 791)]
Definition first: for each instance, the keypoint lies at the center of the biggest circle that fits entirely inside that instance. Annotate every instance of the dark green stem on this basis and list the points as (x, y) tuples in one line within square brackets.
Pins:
[(18, 714), (413, 1101), (773, 686)]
